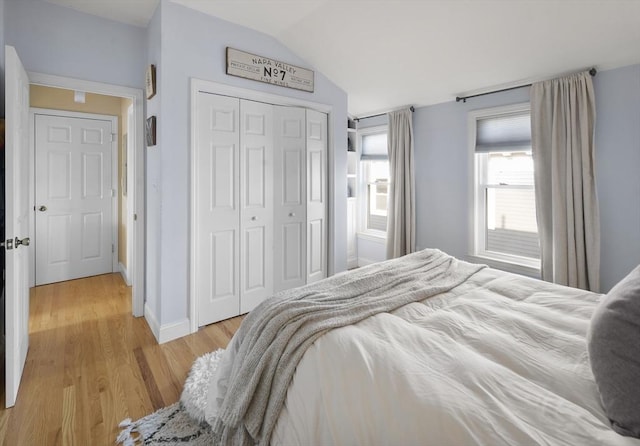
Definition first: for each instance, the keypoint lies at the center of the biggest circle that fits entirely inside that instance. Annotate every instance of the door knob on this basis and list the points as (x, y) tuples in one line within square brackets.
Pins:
[(42, 208), (25, 241), (292, 214), (254, 218)]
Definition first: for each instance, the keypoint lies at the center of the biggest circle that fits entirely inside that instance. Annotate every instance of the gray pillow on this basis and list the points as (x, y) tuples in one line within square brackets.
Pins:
[(613, 341)]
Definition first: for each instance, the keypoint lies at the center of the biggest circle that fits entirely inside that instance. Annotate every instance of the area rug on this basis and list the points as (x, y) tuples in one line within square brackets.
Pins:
[(181, 423)]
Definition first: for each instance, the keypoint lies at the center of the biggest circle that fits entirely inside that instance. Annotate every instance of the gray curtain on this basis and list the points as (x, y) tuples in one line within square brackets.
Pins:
[(401, 238), (562, 134)]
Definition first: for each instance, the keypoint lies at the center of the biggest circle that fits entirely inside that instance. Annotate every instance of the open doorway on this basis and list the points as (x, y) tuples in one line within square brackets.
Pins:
[(80, 204), (49, 93)]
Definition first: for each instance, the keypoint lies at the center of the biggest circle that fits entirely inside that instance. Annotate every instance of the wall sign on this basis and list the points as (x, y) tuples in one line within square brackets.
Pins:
[(267, 70)]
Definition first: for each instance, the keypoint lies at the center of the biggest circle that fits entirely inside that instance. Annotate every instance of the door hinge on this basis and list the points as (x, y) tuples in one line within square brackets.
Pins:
[(135, 217), (114, 137), (113, 192), (113, 248)]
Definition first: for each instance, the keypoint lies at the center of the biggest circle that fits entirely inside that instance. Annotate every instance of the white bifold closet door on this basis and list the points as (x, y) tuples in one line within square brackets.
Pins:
[(256, 204), (290, 214), (260, 179), (316, 196)]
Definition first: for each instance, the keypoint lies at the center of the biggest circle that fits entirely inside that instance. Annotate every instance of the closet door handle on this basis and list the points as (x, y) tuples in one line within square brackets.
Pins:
[(254, 218), (292, 214), (42, 208)]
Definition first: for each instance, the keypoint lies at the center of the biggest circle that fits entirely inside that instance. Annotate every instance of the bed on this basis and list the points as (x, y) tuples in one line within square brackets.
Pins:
[(425, 350)]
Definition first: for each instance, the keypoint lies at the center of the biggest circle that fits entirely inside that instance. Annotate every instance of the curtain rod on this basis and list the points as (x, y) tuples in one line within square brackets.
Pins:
[(592, 72), (379, 114)]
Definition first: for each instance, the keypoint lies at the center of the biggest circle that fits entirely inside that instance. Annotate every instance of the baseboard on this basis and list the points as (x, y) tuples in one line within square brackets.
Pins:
[(152, 322), (167, 332), (124, 272), (352, 263), (175, 330)]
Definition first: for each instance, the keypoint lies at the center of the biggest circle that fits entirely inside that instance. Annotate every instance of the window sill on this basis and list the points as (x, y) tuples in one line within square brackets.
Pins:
[(505, 265), (374, 237)]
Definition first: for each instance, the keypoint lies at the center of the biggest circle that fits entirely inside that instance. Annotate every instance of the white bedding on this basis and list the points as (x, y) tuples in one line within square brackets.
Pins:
[(499, 360)]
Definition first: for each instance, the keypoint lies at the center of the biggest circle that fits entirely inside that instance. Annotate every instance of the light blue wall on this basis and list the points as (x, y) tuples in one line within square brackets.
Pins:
[(153, 170), (56, 40), (442, 158), (618, 170), (193, 45)]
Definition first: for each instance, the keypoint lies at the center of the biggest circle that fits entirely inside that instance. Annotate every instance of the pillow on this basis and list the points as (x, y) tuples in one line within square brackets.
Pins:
[(613, 341)]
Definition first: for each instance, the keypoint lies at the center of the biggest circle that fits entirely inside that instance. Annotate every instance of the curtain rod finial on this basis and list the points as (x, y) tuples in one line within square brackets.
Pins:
[(593, 71)]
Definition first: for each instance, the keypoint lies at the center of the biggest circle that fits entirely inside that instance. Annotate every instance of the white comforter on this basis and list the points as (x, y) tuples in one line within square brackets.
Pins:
[(500, 360)]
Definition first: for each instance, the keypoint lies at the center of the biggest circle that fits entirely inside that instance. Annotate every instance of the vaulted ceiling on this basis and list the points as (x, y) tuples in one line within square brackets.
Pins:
[(389, 53)]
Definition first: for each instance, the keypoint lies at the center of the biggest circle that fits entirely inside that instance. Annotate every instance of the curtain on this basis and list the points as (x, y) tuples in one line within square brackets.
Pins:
[(401, 198), (562, 137)]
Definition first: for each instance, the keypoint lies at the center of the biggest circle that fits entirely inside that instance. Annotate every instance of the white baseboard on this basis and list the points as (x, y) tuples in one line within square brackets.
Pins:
[(124, 272), (175, 330), (352, 263), (167, 332), (153, 322)]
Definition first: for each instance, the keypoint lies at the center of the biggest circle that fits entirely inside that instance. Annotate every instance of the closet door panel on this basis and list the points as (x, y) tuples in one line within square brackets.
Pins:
[(290, 197), (316, 124), (256, 207), (218, 213)]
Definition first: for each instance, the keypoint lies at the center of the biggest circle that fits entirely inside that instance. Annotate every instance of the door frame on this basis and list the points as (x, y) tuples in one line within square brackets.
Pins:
[(199, 85), (136, 188), (115, 187)]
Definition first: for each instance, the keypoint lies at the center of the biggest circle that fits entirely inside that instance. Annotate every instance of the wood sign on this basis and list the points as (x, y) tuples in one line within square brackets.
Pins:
[(267, 70)]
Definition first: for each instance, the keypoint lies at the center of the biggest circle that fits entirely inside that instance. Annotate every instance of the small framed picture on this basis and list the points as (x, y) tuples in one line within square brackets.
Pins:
[(151, 131), (151, 81)]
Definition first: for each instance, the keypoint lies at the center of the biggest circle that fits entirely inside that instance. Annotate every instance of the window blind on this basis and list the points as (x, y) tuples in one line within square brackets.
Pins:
[(505, 133), (374, 147)]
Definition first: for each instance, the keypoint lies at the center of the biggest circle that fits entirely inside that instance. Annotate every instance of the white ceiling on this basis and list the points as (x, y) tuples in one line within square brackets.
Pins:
[(386, 54)]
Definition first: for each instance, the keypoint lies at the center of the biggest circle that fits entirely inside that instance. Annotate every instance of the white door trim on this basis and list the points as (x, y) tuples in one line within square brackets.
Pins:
[(115, 211), (199, 85), (136, 188)]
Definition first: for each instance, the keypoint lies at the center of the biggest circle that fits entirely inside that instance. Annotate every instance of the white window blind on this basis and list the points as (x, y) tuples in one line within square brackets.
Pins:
[(374, 146), (503, 133)]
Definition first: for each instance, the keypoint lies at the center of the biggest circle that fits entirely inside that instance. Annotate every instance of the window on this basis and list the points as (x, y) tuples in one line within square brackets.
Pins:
[(374, 162), (505, 227)]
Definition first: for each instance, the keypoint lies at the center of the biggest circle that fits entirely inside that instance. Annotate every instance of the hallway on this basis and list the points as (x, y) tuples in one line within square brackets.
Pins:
[(91, 364)]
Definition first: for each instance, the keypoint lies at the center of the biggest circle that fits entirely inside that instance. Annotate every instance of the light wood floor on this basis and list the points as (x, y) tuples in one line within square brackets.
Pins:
[(91, 364)]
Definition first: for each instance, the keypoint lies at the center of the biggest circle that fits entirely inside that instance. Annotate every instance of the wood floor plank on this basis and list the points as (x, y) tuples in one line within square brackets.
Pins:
[(91, 364)]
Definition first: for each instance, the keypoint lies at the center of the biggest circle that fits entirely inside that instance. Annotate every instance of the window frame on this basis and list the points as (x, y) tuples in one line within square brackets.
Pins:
[(477, 193), (363, 183)]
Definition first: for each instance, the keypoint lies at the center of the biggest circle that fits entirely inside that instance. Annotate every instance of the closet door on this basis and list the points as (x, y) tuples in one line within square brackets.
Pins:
[(316, 195), (256, 203), (218, 213), (290, 214)]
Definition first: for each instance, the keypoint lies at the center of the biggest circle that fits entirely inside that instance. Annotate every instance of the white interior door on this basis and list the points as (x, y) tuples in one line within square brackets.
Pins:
[(316, 196), (256, 203), (217, 181), (16, 221), (74, 198), (290, 210)]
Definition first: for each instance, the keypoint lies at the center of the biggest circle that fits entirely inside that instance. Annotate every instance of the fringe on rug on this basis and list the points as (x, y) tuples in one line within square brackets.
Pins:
[(136, 432), (125, 438)]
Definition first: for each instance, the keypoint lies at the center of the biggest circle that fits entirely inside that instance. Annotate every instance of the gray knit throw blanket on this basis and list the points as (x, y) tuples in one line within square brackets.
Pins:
[(251, 383)]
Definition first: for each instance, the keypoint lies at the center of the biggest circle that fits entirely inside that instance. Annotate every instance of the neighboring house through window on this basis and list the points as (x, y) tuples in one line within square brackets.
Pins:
[(374, 162), (504, 218)]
